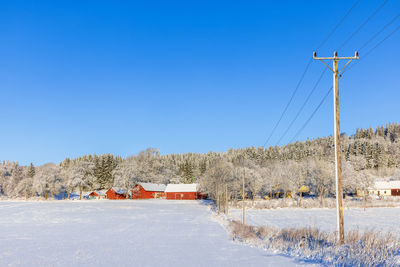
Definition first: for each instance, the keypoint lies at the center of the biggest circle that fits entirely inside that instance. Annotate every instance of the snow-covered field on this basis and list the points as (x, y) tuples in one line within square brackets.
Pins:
[(121, 233), (380, 219)]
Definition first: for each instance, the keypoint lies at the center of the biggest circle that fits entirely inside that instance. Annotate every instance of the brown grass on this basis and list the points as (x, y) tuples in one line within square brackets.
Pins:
[(368, 248)]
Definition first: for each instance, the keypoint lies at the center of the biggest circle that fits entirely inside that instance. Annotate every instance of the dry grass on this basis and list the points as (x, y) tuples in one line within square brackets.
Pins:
[(369, 248)]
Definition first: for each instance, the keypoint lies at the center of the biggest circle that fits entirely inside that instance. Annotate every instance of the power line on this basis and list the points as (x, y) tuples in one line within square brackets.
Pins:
[(383, 40), (306, 69), (302, 107), (290, 100), (347, 40), (376, 46), (312, 114), (379, 32), (363, 24), (329, 91), (337, 25), (341, 46)]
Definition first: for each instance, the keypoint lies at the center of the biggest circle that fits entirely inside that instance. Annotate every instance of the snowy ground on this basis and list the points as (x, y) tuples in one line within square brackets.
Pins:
[(381, 219), (121, 233)]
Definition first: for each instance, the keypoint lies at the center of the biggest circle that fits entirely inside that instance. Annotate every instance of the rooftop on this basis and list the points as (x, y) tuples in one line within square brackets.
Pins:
[(181, 188)]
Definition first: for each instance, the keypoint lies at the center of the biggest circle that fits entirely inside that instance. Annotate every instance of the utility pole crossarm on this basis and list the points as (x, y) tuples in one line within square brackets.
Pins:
[(336, 58)]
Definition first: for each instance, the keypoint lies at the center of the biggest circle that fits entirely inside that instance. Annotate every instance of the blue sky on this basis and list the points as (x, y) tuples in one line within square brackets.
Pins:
[(83, 77)]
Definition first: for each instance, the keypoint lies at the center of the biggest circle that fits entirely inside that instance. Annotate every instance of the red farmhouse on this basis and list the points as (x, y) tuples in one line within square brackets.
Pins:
[(116, 193), (148, 190), (182, 191)]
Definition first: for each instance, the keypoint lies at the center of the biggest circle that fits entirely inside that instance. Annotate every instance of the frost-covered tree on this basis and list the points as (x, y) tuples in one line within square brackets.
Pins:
[(47, 180), (25, 187), (126, 174), (321, 178), (218, 175), (83, 176), (295, 175), (79, 175)]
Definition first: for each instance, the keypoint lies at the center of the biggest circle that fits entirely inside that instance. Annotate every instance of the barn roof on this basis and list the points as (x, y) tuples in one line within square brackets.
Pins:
[(100, 192), (153, 187), (118, 190), (387, 185), (181, 188)]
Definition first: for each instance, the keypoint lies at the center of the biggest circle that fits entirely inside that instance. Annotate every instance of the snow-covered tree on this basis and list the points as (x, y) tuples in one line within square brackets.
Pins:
[(47, 180), (25, 187), (126, 174), (79, 175)]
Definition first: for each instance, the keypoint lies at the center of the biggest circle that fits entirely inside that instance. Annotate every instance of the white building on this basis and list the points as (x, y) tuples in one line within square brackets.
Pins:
[(385, 188)]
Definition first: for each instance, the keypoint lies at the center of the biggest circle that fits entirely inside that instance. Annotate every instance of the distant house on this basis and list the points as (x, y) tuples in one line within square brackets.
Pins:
[(385, 188), (116, 193), (304, 190), (97, 195), (182, 191), (148, 190)]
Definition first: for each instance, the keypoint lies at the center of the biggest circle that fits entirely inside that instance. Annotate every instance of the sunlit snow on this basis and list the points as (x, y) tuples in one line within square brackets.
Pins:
[(121, 233)]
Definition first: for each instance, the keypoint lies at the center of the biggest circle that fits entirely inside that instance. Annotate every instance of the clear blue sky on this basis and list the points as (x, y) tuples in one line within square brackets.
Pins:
[(82, 77)]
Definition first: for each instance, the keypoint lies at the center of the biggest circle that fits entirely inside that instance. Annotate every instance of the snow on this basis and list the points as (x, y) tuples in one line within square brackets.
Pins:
[(380, 219), (387, 185), (153, 187), (125, 232), (119, 190), (100, 192), (181, 188)]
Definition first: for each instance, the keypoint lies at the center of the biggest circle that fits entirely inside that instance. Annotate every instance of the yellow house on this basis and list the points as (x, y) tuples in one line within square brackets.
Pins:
[(304, 189)]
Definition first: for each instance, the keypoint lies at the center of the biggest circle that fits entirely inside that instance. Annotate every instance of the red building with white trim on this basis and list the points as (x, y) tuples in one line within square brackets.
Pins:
[(148, 191), (182, 191)]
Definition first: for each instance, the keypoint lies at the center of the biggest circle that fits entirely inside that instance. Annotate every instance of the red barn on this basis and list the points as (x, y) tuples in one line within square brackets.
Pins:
[(116, 193), (148, 190), (182, 191), (97, 195)]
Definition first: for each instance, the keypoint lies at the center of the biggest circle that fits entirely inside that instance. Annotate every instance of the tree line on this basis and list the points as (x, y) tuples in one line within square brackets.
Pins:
[(275, 170)]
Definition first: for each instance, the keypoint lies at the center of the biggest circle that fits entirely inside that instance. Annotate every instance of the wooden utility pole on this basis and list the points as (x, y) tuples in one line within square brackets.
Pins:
[(338, 161), (217, 196), (244, 174), (226, 199)]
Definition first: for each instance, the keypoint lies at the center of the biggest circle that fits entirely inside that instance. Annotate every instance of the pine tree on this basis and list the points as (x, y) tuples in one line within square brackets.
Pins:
[(31, 170), (188, 172), (203, 167)]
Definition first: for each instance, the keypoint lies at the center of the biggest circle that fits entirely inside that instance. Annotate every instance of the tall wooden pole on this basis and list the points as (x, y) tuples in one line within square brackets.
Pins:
[(226, 199), (338, 159), (244, 212), (217, 198)]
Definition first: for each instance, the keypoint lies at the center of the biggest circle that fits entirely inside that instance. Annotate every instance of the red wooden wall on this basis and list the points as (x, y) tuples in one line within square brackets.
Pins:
[(395, 192), (111, 194), (182, 195), (138, 192)]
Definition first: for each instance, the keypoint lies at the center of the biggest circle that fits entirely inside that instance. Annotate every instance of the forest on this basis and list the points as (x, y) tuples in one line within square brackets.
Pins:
[(368, 154)]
